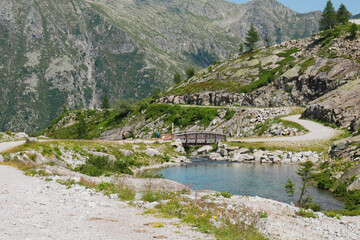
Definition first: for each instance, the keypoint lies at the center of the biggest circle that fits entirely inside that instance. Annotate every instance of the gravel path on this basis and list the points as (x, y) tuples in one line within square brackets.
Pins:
[(31, 208), (8, 145), (317, 131)]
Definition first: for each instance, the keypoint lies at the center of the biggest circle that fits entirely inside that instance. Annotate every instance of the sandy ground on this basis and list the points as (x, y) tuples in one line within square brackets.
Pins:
[(316, 132)]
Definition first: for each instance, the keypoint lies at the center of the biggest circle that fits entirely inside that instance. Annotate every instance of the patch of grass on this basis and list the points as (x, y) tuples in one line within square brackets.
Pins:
[(209, 217), (149, 174), (155, 196), (223, 194), (157, 224), (229, 114), (305, 213), (97, 166), (306, 64), (123, 192), (67, 182), (181, 116), (262, 127)]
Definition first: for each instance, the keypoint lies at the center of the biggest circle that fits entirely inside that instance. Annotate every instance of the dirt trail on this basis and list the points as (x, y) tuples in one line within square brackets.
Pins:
[(317, 131)]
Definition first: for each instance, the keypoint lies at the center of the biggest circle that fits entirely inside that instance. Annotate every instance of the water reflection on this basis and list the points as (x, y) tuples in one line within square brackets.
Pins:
[(264, 180)]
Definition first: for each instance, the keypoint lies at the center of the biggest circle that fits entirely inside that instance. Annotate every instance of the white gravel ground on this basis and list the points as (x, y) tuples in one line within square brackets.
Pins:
[(31, 208)]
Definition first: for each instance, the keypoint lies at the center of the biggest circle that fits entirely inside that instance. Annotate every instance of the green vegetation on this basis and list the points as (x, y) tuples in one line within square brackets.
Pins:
[(262, 127), (223, 194), (353, 30), (305, 213), (328, 18), (181, 116), (251, 38), (343, 14), (97, 166), (207, 216), (190, 72), (177, 78), (123, 192)]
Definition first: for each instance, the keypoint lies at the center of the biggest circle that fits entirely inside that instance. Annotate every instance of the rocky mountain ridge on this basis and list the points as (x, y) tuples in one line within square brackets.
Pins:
[(296, 72), (72, 52)]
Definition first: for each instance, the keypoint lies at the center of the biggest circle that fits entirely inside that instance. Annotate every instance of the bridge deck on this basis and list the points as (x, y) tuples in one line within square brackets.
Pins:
[(199, 137)]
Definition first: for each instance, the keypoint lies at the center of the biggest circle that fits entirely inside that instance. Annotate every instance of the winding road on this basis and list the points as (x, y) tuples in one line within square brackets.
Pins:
[(317, 131)]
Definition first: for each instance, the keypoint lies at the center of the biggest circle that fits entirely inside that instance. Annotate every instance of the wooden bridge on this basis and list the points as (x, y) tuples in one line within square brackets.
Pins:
[(199, 137)]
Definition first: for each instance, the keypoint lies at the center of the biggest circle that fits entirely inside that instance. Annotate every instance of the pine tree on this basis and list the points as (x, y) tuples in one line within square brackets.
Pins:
[(328, 17), (177, 78), (81, 128), (343, 15), (241, 48), (190, 72), (305, 174), (105, 103), (251, 38)]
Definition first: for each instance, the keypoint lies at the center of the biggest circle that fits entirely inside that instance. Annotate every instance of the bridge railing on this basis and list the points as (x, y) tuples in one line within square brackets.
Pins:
[(199, 137)]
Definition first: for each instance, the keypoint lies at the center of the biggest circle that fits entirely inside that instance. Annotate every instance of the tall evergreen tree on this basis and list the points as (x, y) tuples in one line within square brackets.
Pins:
[(190, 72), (328, 17), (343, 15), (251, 38), (177, 78), (105, 103), (81, 128)]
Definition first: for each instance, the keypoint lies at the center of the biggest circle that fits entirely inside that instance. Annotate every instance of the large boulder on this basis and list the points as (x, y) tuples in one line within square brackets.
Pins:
[(152, 152), (180, 149), (101, 154), (126, 153), (206, 148), (31, 140)]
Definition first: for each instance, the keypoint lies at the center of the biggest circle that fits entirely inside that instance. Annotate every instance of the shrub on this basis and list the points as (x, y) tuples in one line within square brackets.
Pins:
[(97, 165), (305, 213), (190, 72), (340, 190), (352, 200), (324, 180), (229, 114)]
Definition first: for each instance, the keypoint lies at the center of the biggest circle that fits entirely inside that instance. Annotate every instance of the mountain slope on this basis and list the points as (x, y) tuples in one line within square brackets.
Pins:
[(72, 52), (291, 73)]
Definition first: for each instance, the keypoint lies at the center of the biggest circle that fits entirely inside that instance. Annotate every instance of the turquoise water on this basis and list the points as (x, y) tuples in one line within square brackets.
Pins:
[(263, 180)]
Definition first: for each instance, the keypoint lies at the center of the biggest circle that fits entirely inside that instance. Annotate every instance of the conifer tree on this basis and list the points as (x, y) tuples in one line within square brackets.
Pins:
[(241, 48), (177, 78), (190, 72), (328, 17), (81, 128), (343, 15), (251, 38), (105, 105)]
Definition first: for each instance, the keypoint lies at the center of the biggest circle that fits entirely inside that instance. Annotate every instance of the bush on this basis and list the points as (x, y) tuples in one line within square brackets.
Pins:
[(229, 114), (190, 72), (340, 190), (97, 166), (324, 181), (352, 200)]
